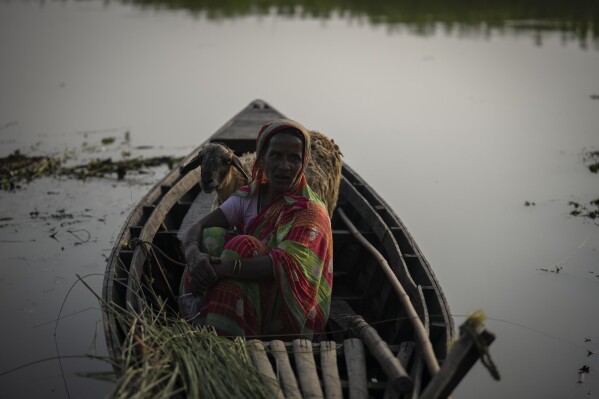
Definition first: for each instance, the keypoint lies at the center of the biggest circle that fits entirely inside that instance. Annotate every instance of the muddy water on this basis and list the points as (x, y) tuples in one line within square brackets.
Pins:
[(456, 128)]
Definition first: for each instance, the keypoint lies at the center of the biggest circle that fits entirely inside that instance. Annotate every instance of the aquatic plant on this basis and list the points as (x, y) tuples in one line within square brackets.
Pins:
[(17, 168), (591, 159)]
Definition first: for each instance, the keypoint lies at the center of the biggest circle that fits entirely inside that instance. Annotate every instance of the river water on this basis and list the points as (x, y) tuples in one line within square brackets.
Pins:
[(456, 121)]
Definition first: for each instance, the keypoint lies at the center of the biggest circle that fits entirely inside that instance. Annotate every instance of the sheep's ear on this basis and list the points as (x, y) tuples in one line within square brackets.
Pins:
[(194, 163), (237, 164)]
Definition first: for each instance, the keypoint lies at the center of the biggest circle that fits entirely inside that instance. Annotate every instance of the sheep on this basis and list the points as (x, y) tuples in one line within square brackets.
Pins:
[(222, 171)]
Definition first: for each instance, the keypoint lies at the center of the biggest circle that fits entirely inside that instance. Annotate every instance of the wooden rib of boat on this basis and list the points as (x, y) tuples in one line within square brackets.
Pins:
[(360, 284)]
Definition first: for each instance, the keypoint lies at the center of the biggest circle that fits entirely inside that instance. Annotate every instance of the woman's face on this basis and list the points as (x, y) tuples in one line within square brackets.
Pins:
[(282, 162)]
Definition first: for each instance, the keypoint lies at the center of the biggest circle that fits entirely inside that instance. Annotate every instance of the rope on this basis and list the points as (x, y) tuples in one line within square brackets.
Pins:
[(470, 328), (134, 242)]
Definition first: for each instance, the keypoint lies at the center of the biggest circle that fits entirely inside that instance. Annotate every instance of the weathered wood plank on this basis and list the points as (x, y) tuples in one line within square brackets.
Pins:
[(306, 369), (261, 362), (355, 360), (330, 372), (284, 371)]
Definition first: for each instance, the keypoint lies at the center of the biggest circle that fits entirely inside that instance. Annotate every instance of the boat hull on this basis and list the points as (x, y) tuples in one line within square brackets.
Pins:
[(359, 281)]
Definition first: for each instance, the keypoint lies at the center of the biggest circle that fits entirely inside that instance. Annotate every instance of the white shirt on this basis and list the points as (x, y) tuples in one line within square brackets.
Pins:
[(240, 210)]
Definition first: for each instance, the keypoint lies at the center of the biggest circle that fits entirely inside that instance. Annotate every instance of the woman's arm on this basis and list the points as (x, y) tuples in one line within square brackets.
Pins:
[(205, 270), (201, 265)]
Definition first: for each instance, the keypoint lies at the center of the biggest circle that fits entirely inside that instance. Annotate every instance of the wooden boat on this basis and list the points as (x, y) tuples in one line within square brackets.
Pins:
[(360, 284)]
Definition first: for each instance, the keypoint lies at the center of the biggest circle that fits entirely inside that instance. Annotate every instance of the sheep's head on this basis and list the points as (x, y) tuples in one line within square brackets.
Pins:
[(215, 161)]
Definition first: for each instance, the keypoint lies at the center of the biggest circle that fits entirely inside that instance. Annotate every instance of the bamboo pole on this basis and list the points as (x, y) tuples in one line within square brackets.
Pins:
[(404, 354), (330, 372), (306, 369), (284, 370), (260, 360), (355, 360), (458, 362), (421, 334), (378, 348)]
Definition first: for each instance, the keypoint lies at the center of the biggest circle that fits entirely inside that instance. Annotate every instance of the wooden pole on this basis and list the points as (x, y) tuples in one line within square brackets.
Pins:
[(381, 352), (462, 357), (306, 369), (261, 362), (421, 333), (355, 360), (404, 354), (330, 372), (284, 370)]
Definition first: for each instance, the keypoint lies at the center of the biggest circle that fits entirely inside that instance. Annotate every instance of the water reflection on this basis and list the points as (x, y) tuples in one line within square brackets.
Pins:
[(578, 21)]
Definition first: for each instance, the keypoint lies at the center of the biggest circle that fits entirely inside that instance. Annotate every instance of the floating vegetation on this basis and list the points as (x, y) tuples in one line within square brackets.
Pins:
[(591, 159), (590, 211), (556, 269), (17, 168), (108, 140), (108, 167), (60, 214), (582, 371)]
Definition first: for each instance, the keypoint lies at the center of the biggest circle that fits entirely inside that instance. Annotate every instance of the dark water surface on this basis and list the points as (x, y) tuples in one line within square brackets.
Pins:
[(456, 115)]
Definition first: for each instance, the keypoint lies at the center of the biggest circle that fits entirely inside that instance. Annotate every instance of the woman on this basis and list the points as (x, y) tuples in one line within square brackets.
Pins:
[(276, 278)]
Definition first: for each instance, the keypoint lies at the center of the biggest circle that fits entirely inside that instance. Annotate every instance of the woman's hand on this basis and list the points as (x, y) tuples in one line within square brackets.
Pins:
[(201, 270)]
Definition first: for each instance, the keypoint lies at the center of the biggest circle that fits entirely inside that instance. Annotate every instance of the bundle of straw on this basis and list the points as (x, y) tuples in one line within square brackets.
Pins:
[(165, 357)]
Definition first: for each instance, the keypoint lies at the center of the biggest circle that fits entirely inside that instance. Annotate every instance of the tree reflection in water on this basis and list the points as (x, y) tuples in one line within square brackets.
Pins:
[(577, 20)]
